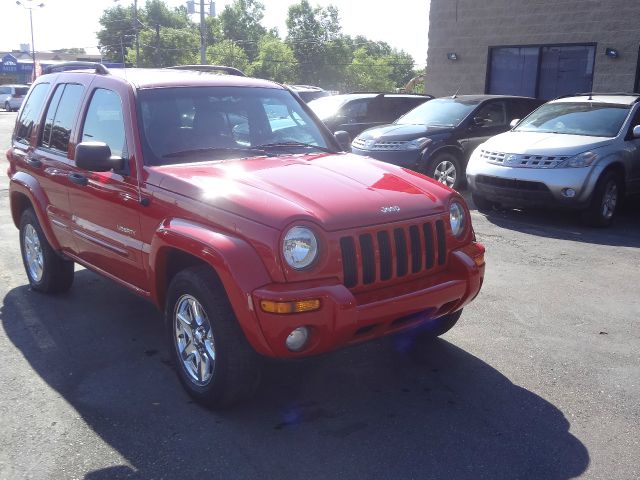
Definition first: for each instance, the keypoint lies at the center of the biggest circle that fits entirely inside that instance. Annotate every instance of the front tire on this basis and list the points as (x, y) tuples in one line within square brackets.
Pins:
[(440, 325), (7, 107), (215, 363), (605, 200), (445, 168), (46, 270)]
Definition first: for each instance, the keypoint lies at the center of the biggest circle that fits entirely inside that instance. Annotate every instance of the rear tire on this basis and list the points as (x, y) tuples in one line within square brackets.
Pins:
[(215, 363), (47, 271), (605, 200), (7, 107)]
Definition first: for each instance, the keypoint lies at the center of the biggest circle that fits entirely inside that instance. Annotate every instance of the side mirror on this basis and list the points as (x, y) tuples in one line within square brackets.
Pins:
[(514, 122), (635, 133), (96, 157), (344, 140)]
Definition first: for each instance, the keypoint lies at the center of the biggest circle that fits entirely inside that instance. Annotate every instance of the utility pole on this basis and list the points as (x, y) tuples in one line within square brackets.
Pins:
[(203, 35), (135, 26), (191, 9), (33, 46)]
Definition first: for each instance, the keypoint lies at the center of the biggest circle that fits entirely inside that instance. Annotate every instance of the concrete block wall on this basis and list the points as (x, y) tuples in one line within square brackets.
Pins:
[(470, 27)]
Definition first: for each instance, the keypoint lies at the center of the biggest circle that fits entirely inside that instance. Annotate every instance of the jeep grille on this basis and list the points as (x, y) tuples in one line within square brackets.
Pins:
[(385, 254)]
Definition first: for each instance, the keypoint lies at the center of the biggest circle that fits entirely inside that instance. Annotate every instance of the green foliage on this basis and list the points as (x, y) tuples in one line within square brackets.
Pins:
[(117, 33), (240, 22), (165, 47), (275, 61), (369, 73), (312, 32), (73, 51), (314, 51), (228, 53)]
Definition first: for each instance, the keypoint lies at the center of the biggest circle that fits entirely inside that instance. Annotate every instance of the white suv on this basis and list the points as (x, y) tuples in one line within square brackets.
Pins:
[(580, 152), (11, 96)]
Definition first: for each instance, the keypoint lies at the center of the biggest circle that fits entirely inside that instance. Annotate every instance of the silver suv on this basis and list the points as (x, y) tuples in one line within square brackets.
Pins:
[(11, 96), (580, 152)]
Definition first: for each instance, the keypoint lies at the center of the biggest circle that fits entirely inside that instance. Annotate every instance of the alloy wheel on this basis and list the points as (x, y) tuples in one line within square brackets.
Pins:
[(445, 172), (194, 340), (609, 200), (33, 255)]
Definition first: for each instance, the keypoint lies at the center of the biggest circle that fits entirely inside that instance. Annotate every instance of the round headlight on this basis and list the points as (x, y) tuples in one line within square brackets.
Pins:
[(300, 247), (456, 218)]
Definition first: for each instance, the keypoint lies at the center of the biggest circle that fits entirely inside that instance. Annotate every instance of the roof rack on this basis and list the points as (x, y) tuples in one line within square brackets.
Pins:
[(65, 66), (382, 94), (609, 94), (210, 68)]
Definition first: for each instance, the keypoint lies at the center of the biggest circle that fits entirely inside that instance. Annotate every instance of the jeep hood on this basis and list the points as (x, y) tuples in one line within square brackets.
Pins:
[(337, 191), (537, 143)]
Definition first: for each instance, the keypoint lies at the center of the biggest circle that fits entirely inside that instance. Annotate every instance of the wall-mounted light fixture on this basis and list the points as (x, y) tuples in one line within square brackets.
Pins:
[(611, 52), (452, 56)]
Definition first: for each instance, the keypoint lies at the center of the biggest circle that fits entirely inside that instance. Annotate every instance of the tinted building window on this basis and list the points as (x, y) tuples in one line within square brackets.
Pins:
[(545, 71), (61, 115), (31, 112)]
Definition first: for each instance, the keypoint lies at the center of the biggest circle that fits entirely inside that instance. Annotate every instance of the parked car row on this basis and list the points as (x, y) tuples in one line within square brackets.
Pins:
[(580, 152)]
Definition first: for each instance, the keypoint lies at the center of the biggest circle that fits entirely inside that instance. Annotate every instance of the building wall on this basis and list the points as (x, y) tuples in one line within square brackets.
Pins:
[(470, 27)]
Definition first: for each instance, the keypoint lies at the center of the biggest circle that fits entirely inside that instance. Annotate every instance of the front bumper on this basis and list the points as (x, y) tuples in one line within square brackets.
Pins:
[(346, 318), (533, 186)]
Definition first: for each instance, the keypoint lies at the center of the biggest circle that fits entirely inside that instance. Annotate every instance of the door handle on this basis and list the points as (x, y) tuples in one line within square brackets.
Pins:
[(78, 179), (34, 162)]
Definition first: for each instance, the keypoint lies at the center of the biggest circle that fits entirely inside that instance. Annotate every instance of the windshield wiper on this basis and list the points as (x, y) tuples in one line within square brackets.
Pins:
[(293, 145), (196, 151)]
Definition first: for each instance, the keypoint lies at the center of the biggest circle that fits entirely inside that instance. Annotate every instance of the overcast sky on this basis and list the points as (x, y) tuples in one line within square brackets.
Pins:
[(73, 23)]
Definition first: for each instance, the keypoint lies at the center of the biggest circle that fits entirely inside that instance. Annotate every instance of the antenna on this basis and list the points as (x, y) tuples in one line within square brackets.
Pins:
[(456, 94)]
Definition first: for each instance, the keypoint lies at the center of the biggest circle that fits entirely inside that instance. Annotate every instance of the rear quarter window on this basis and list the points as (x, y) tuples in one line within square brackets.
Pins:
[(31, 112)]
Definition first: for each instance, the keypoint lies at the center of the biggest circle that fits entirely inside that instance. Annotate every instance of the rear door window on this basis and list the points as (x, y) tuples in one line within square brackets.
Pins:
[(31, 112), (60, 116)]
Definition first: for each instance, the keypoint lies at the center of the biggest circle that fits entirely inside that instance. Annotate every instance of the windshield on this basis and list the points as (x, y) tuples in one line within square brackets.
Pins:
[(325, 107), (449, 112), (190, 124), (580, 118)]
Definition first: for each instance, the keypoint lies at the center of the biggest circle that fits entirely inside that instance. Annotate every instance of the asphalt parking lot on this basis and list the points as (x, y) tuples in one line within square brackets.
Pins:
[(539, 380)]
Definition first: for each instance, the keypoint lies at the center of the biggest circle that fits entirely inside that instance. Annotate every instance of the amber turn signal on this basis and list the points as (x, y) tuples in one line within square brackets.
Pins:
[(270, 306)]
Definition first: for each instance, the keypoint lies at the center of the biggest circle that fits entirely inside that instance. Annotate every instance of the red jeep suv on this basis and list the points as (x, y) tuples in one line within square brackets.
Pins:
[(226, 202)]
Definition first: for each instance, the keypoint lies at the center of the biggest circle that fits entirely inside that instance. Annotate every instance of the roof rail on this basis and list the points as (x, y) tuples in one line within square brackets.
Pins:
[(591, 94), (210, 68), (64, 66), (382, 94)]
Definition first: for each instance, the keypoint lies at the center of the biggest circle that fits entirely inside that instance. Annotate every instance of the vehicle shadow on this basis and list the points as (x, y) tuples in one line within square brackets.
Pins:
[(395, 408), (563, 225)]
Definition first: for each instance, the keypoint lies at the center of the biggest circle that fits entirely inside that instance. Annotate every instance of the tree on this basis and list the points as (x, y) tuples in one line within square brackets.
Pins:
[(164, 47), (71, 51), (312, 33), (117, 33), (240, 23), (227, 53), (275, 61), (368, 72)]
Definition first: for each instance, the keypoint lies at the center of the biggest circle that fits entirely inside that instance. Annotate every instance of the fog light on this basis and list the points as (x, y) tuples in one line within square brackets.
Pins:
[(297, 339), (568, 192)]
